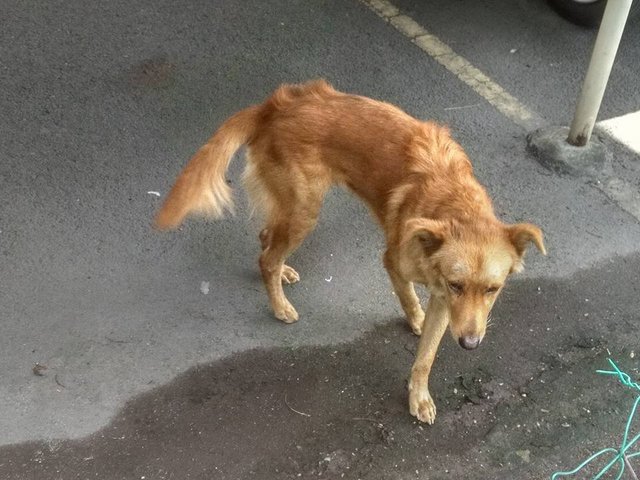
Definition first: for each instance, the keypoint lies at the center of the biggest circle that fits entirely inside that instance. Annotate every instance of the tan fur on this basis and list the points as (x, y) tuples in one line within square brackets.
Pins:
[(418, 182)]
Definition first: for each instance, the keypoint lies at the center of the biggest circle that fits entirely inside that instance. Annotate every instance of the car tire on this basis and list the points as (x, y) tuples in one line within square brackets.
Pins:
[(585, 13)]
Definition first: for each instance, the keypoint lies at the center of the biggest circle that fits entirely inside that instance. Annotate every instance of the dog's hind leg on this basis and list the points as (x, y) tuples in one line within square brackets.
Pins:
[(293, 196), (289, 275), (288, 189), (285, 234)]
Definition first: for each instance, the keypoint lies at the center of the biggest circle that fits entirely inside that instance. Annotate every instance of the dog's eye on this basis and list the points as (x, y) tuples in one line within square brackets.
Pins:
[(492, 290), (456, 287)]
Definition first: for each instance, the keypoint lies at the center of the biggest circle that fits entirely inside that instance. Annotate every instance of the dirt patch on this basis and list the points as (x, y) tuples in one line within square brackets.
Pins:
[(526, 404)]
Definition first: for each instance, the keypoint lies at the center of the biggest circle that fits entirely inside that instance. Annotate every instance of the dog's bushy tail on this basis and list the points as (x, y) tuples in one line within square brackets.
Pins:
[(201, 187)]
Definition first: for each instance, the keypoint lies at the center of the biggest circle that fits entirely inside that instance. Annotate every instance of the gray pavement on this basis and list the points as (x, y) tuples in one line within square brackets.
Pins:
[(549, 58), (103, 103)]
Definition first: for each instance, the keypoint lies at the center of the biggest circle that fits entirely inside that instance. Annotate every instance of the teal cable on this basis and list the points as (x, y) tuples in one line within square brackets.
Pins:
[(621, 453)]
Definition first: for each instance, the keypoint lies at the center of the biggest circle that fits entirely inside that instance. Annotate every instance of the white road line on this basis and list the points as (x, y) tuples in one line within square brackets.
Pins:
[(506, 103), (623, 193), (625, 129)]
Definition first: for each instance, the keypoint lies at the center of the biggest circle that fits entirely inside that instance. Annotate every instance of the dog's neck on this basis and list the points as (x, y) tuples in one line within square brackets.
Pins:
[(450, 198)]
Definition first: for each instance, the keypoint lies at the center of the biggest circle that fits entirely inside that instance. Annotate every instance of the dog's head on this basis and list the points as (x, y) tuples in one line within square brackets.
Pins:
[(466, 266)]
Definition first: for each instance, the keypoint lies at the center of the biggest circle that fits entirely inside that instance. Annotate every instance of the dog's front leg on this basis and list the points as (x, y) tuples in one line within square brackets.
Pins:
[(407, 296), (421, 404)]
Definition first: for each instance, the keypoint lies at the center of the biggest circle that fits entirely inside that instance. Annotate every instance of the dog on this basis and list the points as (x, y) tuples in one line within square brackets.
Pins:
[(438, 221)]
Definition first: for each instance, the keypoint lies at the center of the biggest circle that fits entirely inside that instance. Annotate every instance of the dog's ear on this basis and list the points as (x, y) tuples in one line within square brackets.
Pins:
[(430, 233), (521, 234)]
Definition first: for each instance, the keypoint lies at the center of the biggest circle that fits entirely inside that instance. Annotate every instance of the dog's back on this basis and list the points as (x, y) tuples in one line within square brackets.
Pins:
[(371, 147)]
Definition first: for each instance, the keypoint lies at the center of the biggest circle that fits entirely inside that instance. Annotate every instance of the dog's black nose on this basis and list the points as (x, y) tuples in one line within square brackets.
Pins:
[(469, 343)]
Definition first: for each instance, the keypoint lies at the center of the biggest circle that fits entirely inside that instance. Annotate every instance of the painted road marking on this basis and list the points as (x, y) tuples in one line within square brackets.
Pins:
[(458, 65), (625, 129), (624, 194)]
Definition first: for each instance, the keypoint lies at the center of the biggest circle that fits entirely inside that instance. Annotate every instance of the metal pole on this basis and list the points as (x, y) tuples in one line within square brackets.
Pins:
[(595, 82)]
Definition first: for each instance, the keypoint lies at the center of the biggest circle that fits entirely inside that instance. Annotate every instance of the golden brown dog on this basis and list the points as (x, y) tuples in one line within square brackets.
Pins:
[(438, 220)]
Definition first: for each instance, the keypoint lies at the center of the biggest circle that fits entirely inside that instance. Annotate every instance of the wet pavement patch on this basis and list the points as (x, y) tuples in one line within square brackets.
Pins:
[(526, 404), (156, 72)]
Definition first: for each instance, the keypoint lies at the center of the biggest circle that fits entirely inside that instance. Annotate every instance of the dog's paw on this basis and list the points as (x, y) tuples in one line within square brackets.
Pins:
[(289, 275), (416, 321), (422, 407), (286, 313)]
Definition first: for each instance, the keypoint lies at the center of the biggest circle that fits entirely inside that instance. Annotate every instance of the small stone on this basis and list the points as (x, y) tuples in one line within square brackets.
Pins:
[(525, 455)]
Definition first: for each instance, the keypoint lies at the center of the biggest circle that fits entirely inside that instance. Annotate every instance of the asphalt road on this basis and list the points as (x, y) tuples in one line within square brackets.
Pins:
[(103, 103)]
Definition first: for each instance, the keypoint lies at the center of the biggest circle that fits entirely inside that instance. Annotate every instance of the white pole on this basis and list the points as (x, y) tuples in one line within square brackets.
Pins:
[(595, 82)]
